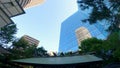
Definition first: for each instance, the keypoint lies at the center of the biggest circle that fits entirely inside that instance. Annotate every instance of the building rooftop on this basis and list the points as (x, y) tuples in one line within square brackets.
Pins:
[(59, 60)]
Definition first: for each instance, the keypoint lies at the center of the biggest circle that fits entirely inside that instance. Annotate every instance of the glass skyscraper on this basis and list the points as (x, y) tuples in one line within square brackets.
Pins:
[(73, 30)]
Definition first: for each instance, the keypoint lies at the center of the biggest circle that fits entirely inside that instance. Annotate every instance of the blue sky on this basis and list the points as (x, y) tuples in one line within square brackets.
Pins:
[(43, 21)]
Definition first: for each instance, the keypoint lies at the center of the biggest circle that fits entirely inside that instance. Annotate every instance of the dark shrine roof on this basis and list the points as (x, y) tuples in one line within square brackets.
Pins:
[(59, 60)]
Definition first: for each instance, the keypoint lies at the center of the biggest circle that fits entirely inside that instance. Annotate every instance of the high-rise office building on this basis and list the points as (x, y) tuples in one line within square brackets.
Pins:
[(29, 3), (11, 8), (81, 34), (31, 40), (8, 9), (73, 31)]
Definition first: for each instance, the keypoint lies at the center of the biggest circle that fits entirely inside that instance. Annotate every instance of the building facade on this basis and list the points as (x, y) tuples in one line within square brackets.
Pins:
[(11, 8), (29, 3), (81, 34), (30, 40), (8, 9), (73, 31)]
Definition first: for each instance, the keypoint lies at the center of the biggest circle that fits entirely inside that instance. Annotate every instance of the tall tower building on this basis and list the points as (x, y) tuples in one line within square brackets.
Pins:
[(81, 34), (11, 8), (73, 31), (8, 9), (30, 3), (31, 40)]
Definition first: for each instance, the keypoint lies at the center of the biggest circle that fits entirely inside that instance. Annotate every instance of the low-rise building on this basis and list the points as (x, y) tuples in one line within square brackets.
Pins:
[(31, 40)]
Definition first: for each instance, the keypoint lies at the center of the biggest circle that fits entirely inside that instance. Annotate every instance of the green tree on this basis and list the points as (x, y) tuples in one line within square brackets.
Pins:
[(107, 49), (20, 43), (114, 41), (21, 49), (7, 33), (62, 54), (90, 45), (108, 10), (70, 53), (29, 51), (40, 52)]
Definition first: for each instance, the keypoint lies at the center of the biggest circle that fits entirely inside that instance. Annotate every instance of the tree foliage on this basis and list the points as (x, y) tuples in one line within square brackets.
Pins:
[(21, 49), (90, 44), (103, 48), (40, 52), (20, 43), (114, 41), (108, 10), (7, 33)]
